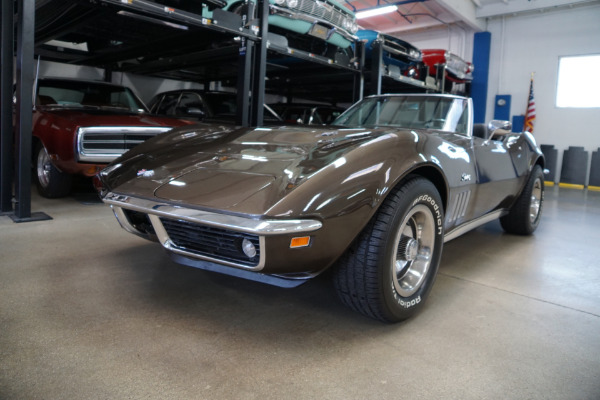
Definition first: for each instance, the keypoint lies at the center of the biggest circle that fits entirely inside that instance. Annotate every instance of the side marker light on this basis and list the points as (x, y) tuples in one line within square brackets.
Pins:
[(303, 241)]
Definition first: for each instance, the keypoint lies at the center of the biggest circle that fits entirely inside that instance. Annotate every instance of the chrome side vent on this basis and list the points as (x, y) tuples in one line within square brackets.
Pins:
[(460, 205)]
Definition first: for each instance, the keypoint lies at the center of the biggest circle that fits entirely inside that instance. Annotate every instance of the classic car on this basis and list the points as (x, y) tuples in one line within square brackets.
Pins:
[(456, 69), (206, 106), (307, 24), (307, 114), (374, 196), (81, 126), (398, 54)]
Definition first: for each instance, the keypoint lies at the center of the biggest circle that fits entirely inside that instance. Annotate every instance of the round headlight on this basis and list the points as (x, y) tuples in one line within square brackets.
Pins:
[(248, 248), (354, 27), (292, 3)]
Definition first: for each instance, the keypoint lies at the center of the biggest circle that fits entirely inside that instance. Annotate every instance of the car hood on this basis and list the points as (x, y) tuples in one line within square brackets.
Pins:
[(240, 170), (108, 117)]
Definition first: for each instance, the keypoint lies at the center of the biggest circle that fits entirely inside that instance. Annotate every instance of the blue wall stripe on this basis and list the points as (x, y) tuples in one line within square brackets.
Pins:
[(479, 87)]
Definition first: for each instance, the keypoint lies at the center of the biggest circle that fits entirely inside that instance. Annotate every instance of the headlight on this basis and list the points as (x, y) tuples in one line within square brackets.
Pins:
[(248, 248), (292, 3), (415, 54), (354, 27), (280, 2)]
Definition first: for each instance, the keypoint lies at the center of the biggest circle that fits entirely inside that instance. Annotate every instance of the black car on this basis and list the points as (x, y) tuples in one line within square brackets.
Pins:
[(307, 114), (207, 106)]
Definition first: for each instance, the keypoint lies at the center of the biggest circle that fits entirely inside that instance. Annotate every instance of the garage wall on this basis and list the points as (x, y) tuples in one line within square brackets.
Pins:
[(534, 43), (529, 43)]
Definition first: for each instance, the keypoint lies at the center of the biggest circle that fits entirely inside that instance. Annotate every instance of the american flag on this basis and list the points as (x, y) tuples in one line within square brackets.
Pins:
[(530, 114)]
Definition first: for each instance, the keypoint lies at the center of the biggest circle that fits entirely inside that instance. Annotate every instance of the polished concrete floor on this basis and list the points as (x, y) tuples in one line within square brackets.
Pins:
[(88, 311)]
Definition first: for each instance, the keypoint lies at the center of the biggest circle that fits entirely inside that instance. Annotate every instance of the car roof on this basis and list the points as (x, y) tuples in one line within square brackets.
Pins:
[(74, 80)]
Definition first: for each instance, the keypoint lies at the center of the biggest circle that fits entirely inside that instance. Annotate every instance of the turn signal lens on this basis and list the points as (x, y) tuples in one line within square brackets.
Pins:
[(300, 242)]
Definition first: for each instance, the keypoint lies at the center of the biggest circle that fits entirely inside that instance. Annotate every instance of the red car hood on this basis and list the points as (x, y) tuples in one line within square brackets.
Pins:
[(110, 117)]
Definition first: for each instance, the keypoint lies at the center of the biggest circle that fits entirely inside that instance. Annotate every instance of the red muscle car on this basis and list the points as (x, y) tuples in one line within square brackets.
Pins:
[(81, 126), (457, 70)]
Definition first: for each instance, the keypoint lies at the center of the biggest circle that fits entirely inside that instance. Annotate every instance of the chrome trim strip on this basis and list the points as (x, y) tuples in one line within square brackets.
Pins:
[(105, 156), (275, 280), (462, 229), (312, 18), (165, 240), (260, 227)]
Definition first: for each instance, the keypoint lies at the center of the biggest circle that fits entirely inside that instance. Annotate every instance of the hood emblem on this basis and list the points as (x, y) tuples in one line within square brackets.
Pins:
[(145, 173)]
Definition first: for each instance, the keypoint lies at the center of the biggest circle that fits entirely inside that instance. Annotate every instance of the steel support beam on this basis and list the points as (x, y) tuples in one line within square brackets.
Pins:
[(259, 69), (376, 67), (243, 83), (24, 115), (359, 78), (6, 85)]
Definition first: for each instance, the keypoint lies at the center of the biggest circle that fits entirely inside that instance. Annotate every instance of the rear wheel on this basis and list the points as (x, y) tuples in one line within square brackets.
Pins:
[(524, 216), (389, 271), (50, 182)]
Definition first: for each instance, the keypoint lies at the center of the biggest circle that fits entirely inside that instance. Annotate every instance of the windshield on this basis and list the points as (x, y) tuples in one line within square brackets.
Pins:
[(413, 112), (87, 94)]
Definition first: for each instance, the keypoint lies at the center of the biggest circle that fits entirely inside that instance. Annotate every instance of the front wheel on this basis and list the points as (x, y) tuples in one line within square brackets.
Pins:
[(51, 182), (524, 216), (389, 271)]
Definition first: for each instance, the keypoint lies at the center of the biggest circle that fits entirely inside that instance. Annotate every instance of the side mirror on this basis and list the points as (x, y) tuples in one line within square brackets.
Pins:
[(498, 127), (195, 112), (496, 124)]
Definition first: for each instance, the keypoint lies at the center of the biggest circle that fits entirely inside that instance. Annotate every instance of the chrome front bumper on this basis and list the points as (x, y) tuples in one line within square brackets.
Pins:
[(157, 210), (291, 14)]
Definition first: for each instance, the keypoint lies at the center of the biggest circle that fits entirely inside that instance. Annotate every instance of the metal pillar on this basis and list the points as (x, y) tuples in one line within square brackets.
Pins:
[(23, 127), (243, 85), (259, 69), (376, 67), (6, 91), (359, 78)]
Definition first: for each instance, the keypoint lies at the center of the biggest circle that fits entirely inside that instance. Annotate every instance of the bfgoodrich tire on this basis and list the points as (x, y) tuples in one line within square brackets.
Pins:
[(524, 216), (389, 271), (50, 181)]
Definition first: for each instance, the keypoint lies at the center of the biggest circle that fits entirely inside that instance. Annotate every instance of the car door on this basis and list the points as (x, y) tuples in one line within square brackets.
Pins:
[(497, 178)]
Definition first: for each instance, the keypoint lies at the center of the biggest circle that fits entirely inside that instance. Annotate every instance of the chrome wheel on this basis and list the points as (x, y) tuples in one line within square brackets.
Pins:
[(415, 243), (44, 166), (536, 200)]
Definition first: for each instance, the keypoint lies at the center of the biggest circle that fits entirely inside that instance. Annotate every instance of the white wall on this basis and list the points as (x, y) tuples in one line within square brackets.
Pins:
[(534, 43)]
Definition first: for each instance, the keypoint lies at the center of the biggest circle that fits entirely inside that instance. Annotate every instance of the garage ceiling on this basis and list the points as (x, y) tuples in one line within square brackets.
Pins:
[(430, 14)]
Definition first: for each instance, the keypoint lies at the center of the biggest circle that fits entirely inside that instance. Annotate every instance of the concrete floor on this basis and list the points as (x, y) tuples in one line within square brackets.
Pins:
[(88, 311)]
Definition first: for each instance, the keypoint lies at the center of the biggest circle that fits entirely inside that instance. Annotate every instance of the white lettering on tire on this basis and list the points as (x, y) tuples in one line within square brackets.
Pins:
[(436, 208)]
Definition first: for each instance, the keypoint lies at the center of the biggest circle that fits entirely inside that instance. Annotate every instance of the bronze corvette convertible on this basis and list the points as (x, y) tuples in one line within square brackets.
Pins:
[(375, 196)]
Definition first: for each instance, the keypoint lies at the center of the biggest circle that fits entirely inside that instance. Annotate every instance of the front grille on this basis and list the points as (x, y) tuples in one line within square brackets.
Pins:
[(104, 144), (216, 243), (323, 10)]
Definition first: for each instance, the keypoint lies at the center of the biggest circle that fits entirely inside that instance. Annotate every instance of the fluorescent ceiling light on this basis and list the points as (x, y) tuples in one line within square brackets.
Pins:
[(376, 11)]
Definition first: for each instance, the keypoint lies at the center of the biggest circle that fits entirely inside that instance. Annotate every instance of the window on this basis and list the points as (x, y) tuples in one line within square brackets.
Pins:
[(578, 82)]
